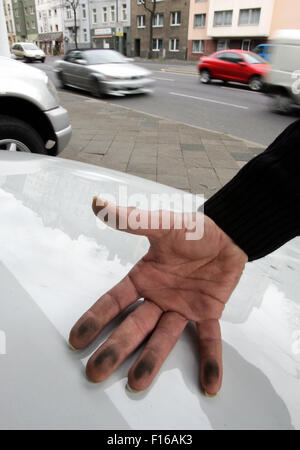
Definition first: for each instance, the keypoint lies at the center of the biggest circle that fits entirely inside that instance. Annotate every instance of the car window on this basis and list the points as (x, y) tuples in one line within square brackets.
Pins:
[(30, 46), (104, 57), (230, 57), (73, 55), (253, 58)]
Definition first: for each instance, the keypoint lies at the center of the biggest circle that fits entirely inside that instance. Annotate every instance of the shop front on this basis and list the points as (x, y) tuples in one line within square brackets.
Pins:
[(51, 43)]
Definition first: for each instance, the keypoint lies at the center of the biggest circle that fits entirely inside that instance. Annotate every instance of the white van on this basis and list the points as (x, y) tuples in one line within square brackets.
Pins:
[(283, 80)]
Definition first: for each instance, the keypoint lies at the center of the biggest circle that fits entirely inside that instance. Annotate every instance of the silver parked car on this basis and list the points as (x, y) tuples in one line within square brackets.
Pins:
[(31, 118), (103, 72)]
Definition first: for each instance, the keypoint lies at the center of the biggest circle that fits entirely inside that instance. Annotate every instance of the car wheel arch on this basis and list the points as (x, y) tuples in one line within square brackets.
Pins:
[(29, 113)]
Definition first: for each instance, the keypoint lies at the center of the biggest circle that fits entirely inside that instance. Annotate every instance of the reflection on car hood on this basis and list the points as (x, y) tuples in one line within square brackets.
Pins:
[(123, 70), (56, 260)]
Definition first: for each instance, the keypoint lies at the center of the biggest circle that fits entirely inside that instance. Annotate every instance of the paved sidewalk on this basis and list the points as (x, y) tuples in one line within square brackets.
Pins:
[(186, 157)]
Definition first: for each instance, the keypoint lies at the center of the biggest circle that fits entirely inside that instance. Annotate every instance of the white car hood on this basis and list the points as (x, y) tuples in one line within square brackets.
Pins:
[(55, 261), (122, 70), (12, 68)]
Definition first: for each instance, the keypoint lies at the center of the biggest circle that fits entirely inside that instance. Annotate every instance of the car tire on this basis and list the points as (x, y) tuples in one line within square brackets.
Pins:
[(281, 104), (256, 83), (205, 76), (43, 60), (16, 135), (95, 88)]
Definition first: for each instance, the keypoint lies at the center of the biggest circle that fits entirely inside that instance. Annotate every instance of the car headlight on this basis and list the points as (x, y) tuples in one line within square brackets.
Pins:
[(52, 89), (110, 78)]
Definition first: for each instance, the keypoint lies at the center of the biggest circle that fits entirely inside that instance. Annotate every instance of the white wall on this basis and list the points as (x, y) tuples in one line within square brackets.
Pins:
[(236, 30)]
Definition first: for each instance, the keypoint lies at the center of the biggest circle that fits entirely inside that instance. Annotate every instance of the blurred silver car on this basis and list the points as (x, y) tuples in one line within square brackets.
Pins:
[(103, 72)]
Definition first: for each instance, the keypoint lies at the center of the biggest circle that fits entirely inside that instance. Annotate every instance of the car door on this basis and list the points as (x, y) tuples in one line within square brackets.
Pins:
[(218, 68), (233, 66), (68, 67), (80, 70)]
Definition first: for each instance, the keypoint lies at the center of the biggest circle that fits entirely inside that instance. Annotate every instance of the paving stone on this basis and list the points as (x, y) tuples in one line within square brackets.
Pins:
[(194, 147), (225, 175), (146, 167), (98, 147), (226, 162), (242, 156), (179, 182)]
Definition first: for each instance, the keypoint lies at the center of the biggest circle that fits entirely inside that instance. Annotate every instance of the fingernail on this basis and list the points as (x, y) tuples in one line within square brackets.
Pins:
[(71, 346), (211, 372), (130, 389), (209, 395)]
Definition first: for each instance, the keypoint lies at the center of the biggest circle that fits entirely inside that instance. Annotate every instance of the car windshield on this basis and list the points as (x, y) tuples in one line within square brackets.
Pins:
[(252, 58), (30, 47), (103, 57)]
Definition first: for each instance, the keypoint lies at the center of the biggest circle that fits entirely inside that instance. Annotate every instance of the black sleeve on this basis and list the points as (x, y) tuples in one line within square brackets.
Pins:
[(260, 207)]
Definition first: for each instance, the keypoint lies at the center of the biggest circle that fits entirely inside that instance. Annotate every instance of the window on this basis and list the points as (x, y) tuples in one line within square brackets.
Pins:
[(223, 18), (56, 27), (199, 20), (41, 29), (158, 20), (198, 46), (51, 28), (246, 44), (249, 16), (55, 12), (49, 13), (7, 26), (26, 11), (40, 15), (124, 11), (85, 35), (104, 14), (174, 45), (68, 12), (94, 15), (112, 13), (18, 27), (31, 10), (223, 44), (83, 11), (17, 14), (175, 18), (141, 22), (157, 44)]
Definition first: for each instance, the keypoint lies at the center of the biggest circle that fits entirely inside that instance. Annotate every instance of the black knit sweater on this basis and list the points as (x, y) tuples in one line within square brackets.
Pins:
[(260, 207)]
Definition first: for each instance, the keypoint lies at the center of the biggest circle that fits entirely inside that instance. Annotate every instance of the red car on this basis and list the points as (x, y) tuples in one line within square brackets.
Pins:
[(234, 65)]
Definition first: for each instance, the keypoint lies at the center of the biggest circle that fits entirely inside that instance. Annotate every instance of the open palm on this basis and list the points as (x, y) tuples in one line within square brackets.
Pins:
[(179, 280)]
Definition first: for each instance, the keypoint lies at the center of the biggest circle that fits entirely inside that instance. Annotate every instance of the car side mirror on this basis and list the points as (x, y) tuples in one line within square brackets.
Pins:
[(242, 63), (81, 61)]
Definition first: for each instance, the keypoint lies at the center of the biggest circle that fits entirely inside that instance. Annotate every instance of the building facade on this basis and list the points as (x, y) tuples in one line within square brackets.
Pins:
[(82, 25), (25, 20), (49, 14), (169, 28), (240, 24), (10, 23), (110, 24)]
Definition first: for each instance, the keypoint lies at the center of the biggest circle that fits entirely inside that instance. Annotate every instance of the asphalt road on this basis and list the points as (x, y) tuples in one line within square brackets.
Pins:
[(232, 108)]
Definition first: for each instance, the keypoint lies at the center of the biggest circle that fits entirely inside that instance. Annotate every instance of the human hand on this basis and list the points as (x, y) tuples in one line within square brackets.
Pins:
[(180, 280)]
